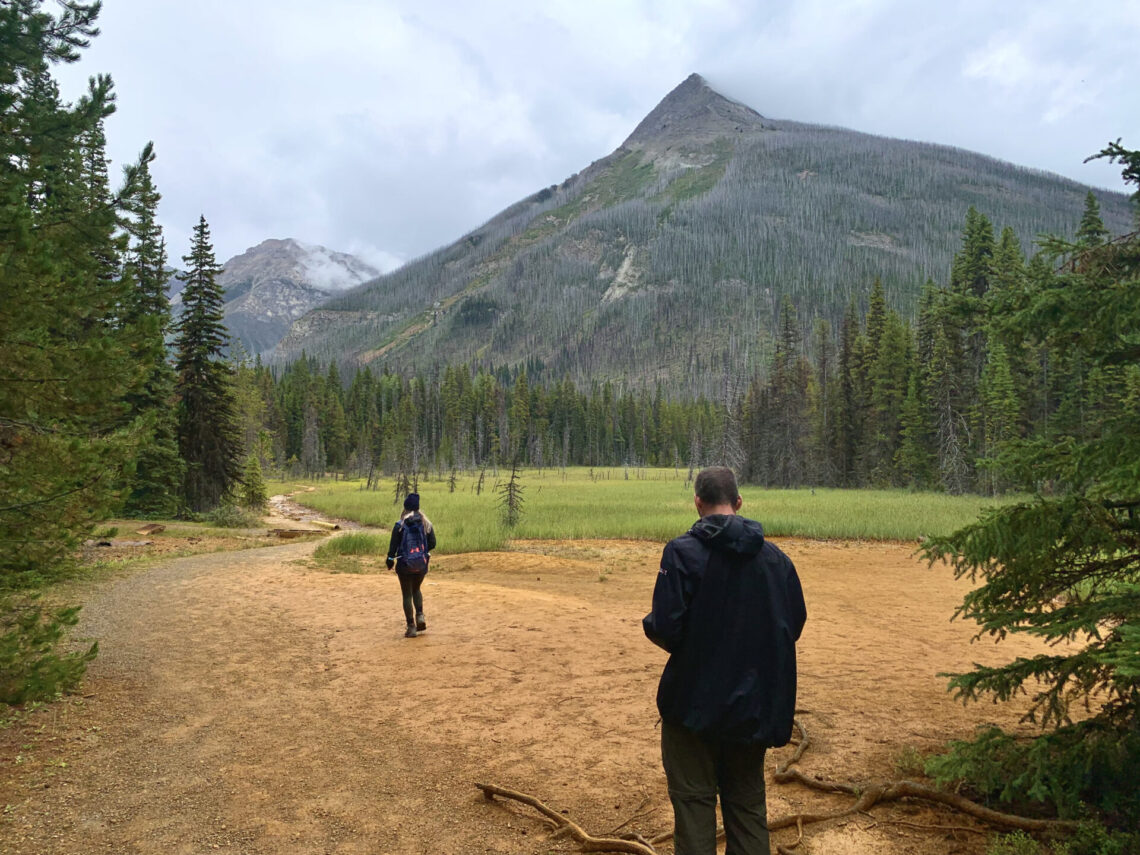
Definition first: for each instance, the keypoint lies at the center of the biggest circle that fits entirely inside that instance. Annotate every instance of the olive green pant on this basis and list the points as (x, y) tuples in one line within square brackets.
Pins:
[(696, 769)]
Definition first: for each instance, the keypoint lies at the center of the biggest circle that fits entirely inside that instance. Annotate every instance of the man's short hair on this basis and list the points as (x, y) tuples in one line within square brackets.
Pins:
[(717, 486)]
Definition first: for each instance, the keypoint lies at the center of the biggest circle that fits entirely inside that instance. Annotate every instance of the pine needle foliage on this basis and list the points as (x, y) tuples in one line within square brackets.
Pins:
[(69, 338), (209, 436), (254, 493), (1064, 566)]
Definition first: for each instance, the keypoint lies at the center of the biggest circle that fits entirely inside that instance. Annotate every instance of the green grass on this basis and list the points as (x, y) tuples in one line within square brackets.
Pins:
[(649, 504), (354, 543), (694, 182)]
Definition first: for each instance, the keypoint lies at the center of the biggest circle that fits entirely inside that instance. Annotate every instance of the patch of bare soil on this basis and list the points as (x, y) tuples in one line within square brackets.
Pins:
[(247, 703)]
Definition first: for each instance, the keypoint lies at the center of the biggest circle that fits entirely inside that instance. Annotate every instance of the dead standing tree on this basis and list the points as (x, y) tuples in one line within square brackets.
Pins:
[(511, 498)]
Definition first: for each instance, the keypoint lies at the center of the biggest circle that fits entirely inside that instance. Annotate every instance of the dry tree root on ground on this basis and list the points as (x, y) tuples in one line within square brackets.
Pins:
[(563, 825), (865, 799)]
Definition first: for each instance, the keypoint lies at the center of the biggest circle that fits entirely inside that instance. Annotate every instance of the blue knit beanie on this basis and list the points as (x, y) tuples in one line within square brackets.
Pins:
[(412, 502)]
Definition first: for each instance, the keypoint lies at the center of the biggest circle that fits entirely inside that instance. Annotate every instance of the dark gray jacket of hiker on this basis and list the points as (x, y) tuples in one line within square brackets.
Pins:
[(728, 607)]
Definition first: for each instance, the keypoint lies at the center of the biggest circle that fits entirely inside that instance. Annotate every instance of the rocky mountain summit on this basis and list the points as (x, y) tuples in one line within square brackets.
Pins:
[(693, 113), (269, 286)]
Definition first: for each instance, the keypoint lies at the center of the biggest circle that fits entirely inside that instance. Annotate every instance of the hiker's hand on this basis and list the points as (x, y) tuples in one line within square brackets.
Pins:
[(390, 563)]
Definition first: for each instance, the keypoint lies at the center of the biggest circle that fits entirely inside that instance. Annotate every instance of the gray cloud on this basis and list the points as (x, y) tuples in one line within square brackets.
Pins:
[(390, 128)]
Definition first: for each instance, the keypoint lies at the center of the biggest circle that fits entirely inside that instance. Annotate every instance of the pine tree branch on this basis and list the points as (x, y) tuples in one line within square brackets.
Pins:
[(24, 505)]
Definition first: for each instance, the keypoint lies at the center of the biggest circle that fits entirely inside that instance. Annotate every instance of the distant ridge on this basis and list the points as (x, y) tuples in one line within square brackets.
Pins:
[(665, 261), (270, 285)]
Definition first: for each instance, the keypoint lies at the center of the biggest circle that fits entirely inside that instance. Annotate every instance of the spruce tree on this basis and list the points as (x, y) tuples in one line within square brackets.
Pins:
[(254, 494), (155, 487), (209, 437), (914, 459), (1000, 415), (1064, 566), (887, 377), (825, 409), (1091, 231), (850, 418)]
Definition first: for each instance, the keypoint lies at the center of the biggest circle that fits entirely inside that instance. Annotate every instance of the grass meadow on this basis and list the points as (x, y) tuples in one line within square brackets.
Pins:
[(646, 504)]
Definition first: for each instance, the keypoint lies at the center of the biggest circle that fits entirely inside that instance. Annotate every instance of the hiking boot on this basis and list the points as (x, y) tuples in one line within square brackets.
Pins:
[(421, 622), (410, 632)]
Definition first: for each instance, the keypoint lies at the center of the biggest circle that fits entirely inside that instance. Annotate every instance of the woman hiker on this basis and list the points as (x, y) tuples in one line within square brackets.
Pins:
[(409, 550)]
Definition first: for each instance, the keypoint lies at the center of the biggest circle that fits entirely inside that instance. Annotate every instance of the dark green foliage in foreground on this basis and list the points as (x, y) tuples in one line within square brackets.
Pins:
[(67, 436), (84, 391), (30, 667), (1065, 566)]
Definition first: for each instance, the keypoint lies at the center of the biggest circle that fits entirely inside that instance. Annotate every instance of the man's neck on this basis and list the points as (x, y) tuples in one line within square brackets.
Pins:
[(726, 510)]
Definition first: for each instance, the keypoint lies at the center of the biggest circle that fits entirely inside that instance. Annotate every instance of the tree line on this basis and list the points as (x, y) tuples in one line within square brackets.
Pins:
[(879, 402)]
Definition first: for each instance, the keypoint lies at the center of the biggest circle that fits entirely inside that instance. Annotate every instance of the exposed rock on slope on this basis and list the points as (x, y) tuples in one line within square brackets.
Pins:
[(271, 285)]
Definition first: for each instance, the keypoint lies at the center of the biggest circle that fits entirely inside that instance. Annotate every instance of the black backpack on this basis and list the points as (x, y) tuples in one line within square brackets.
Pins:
[(412, 554)]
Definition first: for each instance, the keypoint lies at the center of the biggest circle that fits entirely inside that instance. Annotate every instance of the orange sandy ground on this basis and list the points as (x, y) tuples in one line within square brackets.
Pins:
[(250, 703)]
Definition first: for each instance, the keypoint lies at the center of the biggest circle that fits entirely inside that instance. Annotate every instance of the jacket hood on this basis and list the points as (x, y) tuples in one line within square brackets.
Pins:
[(729, 533)]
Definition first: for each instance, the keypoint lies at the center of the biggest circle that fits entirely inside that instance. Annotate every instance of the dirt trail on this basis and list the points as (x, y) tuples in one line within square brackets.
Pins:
[(248, 703)]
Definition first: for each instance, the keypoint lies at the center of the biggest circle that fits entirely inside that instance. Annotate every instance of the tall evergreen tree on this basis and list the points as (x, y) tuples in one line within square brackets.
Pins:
[(1065, 565), (1091, 231), (850, 416), (887, 377), (156, 485), (825, 410), (1000, 415), (209, 437), (914, 460)]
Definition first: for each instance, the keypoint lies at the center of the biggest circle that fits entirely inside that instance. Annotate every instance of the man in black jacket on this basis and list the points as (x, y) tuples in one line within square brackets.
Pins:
[(729, 609)]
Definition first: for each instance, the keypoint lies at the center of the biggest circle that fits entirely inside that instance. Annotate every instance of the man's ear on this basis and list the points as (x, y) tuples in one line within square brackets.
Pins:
[(698, 506), (737, 504)]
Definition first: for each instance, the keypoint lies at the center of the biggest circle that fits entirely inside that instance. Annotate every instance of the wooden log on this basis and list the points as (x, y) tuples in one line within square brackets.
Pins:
[(290, 533)]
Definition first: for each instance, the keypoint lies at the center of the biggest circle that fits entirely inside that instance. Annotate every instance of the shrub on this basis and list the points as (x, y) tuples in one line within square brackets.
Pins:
[(1065, 771), (1017, 843), (228, 515), (29, 668), (254, 494)]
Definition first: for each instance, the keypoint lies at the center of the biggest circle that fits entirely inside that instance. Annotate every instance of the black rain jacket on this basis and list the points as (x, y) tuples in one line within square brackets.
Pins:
[(728, 607)]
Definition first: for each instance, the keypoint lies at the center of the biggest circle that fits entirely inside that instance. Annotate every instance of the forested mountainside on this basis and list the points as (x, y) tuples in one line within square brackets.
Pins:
[(669, 258)]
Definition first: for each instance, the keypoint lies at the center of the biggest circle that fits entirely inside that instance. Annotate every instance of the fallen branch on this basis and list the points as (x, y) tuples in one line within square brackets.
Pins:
[(894, 791), (587, 842)]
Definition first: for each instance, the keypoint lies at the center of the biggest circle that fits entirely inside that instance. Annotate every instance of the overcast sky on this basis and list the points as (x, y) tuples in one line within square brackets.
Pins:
[(388, 128)]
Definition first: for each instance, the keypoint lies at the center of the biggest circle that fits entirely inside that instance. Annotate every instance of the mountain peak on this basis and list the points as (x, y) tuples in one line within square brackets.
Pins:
[(693, 111)]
